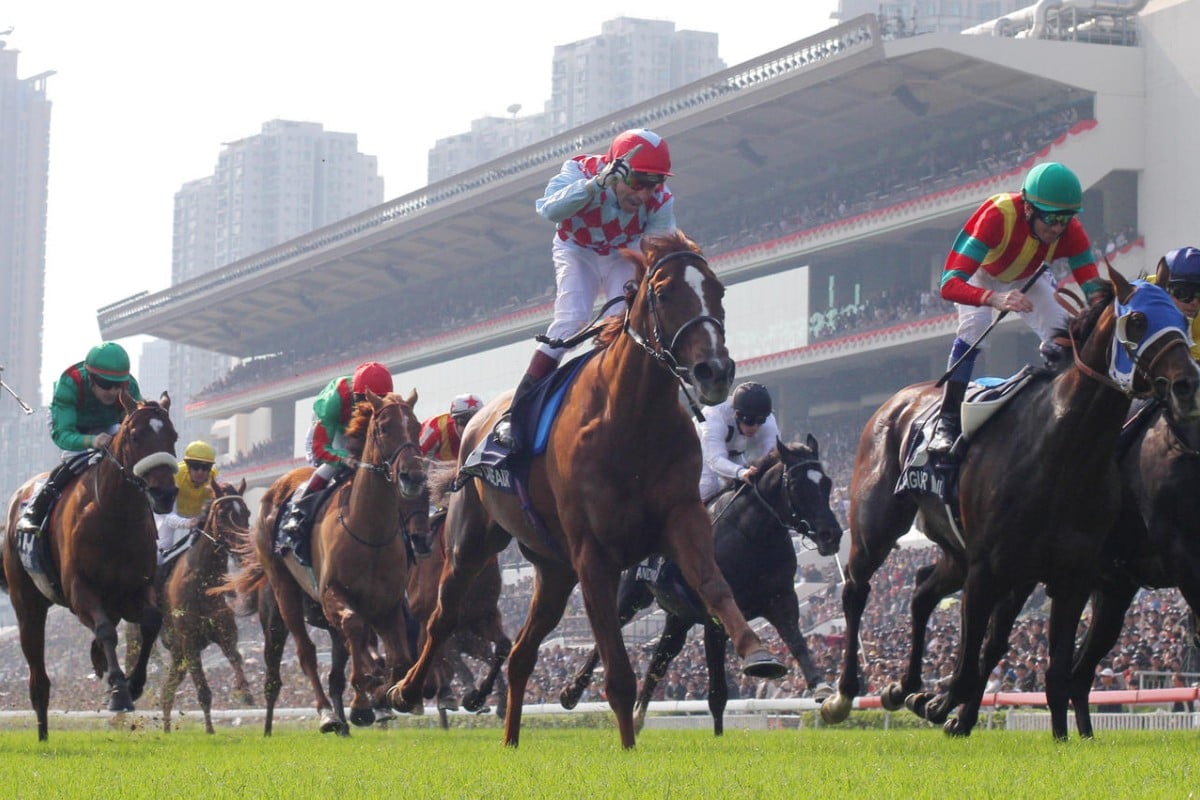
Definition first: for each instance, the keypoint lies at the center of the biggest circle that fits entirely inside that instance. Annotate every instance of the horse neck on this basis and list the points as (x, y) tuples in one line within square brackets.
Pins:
[(764, 503), (1088, 411), (207, 559), (108, 480), (371, 498), (647, 389)]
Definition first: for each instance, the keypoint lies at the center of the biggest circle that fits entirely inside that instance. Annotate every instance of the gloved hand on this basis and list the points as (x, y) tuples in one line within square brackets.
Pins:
[(616, 170)]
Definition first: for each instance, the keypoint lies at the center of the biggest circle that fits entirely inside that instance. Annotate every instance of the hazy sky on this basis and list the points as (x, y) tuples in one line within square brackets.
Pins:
[(145, 93)]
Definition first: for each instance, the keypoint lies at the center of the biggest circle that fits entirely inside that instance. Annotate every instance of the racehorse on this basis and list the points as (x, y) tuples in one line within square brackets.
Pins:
[(196, 618), (101, 545), (359, 563), (752, 527), (480, 630), (618, 481), (1038, 493)]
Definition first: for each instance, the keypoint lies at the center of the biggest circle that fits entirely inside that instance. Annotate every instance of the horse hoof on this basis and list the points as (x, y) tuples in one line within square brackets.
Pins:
[(244, 697), (119, 701), (835, 709), (362, 717), (569, 698), (761, 664), (823, 691), (473, 701), (383, 714), (447, 704), (330, 723), (953, 728), (892, 698)]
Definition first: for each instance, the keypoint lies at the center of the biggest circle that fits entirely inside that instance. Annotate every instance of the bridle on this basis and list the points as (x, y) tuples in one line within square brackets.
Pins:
[(664, 352), (1137, 356), (133, 476), (792, 518), (208, 528)]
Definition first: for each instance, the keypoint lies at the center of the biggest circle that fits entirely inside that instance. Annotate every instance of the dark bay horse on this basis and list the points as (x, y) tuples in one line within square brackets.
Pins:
[(1039, 494), (102, 552), (752, 527), (194, 617), (480, 630), (359, 561), (618, 481)]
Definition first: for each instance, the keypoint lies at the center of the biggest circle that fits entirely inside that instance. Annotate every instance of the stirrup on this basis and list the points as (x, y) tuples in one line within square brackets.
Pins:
[(502, 431), (943, 439)]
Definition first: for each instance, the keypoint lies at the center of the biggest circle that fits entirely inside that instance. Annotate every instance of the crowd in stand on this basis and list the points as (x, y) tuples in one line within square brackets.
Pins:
[(1155, 644)]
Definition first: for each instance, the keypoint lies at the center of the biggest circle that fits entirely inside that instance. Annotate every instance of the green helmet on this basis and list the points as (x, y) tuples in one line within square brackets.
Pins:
[(109, 361), (1051, 187)]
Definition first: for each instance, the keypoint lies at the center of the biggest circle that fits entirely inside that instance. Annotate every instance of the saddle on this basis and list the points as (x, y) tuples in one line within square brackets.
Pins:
[(927, 473), (34, 552), (301, 543), (669, 588), (172, 554)]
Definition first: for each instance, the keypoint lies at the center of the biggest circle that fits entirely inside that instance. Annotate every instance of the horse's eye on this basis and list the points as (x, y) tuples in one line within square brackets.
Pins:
[(1136, 326)]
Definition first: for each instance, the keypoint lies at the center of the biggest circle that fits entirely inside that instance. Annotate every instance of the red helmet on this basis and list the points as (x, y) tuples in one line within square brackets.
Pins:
[(374, 376), (653, 157)]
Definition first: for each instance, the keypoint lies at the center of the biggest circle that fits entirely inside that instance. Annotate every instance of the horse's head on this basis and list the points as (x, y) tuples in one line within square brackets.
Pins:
[(144, 448), (806, 490), (678, 312), (393, 439), (226, 516), (1141, 340)]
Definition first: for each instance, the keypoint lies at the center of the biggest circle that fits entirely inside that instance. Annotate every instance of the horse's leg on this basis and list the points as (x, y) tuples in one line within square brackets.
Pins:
[(175, 671), (91, 613), (31, 608), (670, 642), (688, 541), (195, 667), (1109, 604), (783, 612), (552, 587), (274, 638), (225, 636), (1065, 611), (348, 624), (933, 582), (500, 648), (339, 656), (632, 596), (718, 684), (878, 520), (397, 658), (995, 645), (149, 625), (289, 598)]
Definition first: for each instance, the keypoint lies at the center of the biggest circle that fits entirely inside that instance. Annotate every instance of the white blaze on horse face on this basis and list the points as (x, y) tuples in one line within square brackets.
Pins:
[(815, 476), (156, 425), (695, 279)]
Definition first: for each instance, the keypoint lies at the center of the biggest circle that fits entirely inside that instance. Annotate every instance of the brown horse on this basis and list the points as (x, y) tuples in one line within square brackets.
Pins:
[(1038, 495), (196, 618), (618, 481), (102, 552), (359, 559), (480, 630)]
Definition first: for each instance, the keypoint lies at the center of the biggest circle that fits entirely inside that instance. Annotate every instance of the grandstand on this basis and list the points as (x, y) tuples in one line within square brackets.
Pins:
[(825, 179)]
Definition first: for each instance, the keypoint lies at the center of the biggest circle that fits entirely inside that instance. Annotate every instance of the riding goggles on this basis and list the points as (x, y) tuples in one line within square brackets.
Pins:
[(644, 180), (1185, 292), (104, 383), (1053, 217), (195, 466), (750, 420)]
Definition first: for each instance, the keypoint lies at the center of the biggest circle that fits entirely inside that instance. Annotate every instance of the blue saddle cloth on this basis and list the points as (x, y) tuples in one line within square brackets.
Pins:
[(531, 422)]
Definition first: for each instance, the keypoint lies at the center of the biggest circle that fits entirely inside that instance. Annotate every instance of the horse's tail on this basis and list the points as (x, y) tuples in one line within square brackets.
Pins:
[(247, 581), (439, 478)]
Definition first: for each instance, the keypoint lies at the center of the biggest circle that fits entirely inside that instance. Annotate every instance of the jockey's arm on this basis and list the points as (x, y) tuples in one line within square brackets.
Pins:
[(567, 193), (714, 449)]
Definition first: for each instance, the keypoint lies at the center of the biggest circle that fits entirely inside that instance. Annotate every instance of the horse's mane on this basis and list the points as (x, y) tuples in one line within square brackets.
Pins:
[(360, 419), (1082, 326), (653, 249), (773, 457), (438, 477)]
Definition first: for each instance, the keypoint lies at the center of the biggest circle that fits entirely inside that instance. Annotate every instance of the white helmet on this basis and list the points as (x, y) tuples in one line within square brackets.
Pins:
[(465, 405)]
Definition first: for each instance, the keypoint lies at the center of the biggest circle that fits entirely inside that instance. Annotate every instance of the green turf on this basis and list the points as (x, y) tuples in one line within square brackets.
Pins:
[(589, 763)]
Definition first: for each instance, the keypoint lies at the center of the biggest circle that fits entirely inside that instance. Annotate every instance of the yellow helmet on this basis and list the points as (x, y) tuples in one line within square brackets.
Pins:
[(200, 451)]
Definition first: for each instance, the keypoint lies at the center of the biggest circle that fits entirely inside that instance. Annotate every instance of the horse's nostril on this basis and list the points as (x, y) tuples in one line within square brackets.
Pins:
[(703, 372)]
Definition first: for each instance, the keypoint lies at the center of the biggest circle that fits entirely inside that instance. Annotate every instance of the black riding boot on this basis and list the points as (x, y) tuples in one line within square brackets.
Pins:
[(35, 513), (539, 367), (295, 515), (949, 424)]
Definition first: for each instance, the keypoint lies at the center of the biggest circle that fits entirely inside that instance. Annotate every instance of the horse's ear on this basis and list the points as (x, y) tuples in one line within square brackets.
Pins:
[(1162, 273), (1122, 287), (127, 401), (241, 487), (411, 400), (374, 399), (164, 400), (811, 441)]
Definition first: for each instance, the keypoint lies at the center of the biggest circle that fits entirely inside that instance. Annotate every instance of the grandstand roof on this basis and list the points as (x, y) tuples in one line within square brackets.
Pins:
[(827, 99)]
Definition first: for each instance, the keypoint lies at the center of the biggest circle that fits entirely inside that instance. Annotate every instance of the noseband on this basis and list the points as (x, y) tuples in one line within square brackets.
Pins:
[(664, 354), (793, 518), (133, 476)]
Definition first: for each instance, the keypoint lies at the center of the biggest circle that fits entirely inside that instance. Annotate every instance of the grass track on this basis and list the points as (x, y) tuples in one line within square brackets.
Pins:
[(588, 763)]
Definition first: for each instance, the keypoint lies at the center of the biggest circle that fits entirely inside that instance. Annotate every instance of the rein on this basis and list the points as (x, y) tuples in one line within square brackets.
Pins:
[(797, 521), (389, 470), (665, 356), (1139, 369)]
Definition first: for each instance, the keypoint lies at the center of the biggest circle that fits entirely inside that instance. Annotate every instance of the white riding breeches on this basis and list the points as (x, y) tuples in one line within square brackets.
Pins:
[(581, 275), (1046, 317)]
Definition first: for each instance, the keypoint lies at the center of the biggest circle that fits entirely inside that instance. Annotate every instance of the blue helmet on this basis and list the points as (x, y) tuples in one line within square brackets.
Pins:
[(1183, 265)]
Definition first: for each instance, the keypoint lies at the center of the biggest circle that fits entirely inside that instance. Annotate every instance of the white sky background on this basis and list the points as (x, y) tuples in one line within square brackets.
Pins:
[(145, 93)]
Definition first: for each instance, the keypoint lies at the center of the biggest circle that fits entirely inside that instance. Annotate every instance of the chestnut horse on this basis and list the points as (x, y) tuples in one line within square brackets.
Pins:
[(359, 560), (752, 535), (103, 551), (618, 481), (1039, 494), (480, 630), (194, 617)]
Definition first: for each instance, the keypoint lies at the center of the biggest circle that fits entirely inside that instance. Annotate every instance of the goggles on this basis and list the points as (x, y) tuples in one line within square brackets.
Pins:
[(1185, 292), (104, 383), (644, 180), (1053, 217), (196, 466), (750, 420)]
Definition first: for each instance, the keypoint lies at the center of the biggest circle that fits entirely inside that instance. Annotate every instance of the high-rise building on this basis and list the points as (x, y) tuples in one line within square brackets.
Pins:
[(630, 61), (911, 17), (287, 180), (24, 174)]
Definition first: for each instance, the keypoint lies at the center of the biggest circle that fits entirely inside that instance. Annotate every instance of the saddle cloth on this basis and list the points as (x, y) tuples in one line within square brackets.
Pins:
[(34, 551)]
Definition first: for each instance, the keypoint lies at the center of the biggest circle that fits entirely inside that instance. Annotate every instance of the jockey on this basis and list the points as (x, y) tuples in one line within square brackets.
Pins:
[(327, 451), (441, 437), (1182, 268), (195, 475), (1002, 244), (735, 433), (85, 413), (598, 203)]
